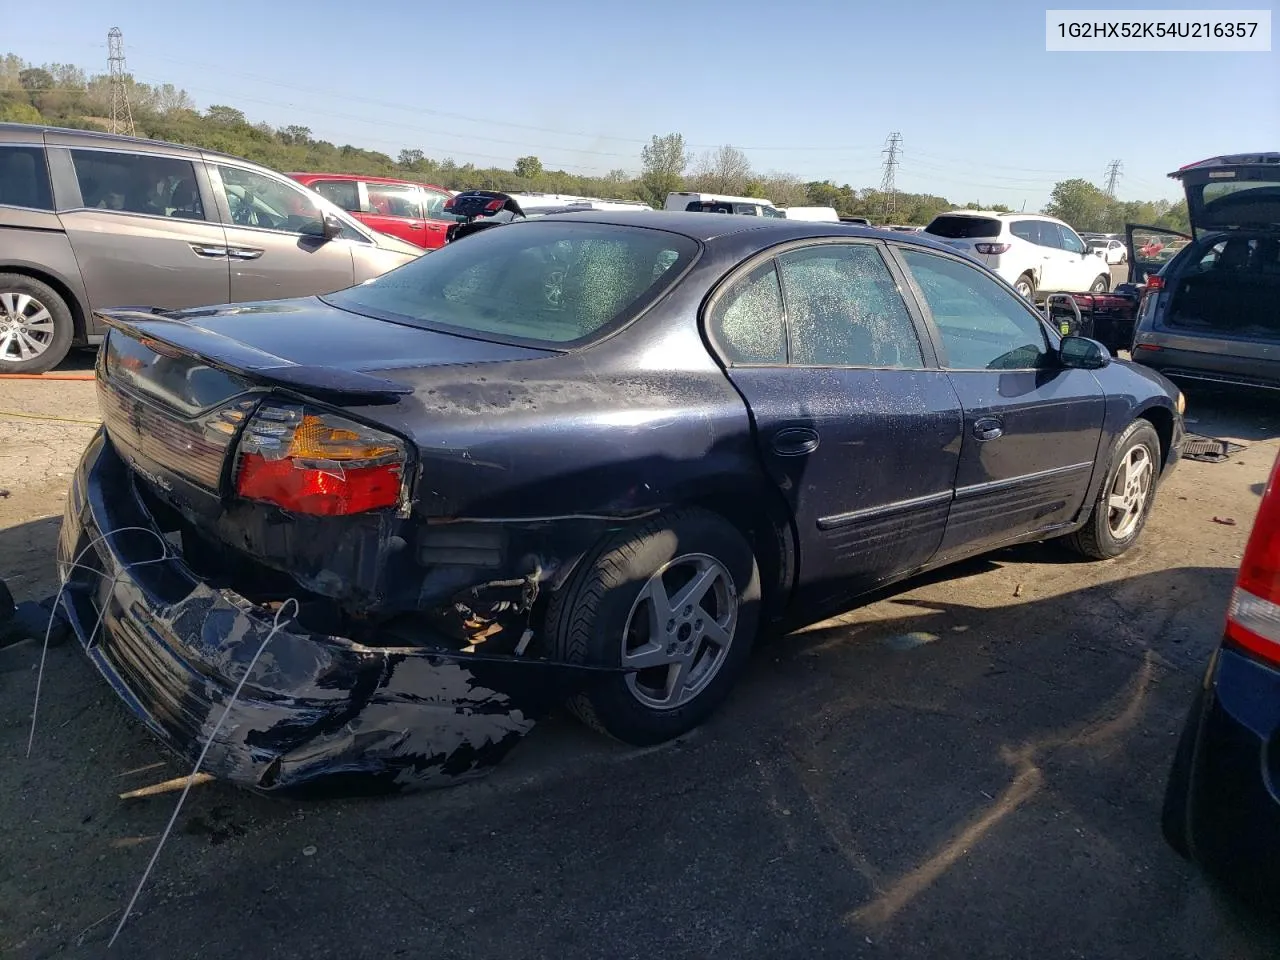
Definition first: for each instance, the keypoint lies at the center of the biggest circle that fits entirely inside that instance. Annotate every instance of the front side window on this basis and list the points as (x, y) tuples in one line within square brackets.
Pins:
[(983, 326), (138, 183), (24, 178), (257, 200), (341, 193), (540, 280), (395, 200), (747, 321), (1070, 242), (844, 309)]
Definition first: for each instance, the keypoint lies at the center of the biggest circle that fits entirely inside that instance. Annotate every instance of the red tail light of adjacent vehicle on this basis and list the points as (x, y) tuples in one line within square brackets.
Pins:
[(312, 462), (1155, 283), (991, 248), (1253, 619)]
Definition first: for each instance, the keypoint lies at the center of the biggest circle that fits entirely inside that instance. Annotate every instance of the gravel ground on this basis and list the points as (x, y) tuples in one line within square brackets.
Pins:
[(970, 766)]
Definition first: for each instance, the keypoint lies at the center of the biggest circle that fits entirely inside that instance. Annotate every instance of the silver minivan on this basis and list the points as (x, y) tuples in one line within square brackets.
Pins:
[(90, 220)]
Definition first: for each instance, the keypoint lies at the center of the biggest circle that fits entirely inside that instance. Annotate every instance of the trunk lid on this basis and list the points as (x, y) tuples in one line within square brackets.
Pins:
[(1235, 192)]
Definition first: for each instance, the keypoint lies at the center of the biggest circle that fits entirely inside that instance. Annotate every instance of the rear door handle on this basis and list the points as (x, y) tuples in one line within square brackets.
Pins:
[(987, 428), (414, 226), (795, 441), (244, 253)]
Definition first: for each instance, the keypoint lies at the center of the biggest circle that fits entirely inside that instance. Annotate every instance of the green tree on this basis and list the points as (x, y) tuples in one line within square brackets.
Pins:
[(1081, 204), (227, 116), (662, 164), (528, 168), (19, 112)]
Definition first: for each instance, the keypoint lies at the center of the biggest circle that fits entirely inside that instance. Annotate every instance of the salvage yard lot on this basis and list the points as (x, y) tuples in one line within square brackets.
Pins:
[(970, 766)]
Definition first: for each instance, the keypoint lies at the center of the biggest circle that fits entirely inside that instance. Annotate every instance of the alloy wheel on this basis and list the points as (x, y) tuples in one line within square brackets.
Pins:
[(1130, 491), (26, 327), (679, 631)]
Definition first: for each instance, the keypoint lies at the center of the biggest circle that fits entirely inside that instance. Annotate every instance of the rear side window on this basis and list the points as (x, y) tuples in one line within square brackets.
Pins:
[(395, 200), (435, 202), (341, 193), (747, 322), (844, 310), (963, 228), (138, 183), (24, 178), (1028, 230), (548, 281)]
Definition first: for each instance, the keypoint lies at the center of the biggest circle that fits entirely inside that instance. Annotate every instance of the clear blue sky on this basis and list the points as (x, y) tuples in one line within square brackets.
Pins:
[(811, 87)]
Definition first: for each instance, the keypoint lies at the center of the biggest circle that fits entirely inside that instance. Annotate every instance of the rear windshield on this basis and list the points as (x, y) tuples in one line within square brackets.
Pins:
[(552, 282), (1245, 203), (963, 228)]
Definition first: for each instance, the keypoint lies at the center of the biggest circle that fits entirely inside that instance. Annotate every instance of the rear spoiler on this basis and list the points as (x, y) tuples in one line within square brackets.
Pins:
[(232, 356)]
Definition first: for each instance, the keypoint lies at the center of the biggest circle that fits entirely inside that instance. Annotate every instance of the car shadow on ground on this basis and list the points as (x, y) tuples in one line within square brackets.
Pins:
[(921, 772), (1244, 415)]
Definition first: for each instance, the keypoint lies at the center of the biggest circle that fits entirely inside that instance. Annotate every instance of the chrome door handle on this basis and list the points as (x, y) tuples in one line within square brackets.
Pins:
[(202, 250), (987, 428), (244, 253)]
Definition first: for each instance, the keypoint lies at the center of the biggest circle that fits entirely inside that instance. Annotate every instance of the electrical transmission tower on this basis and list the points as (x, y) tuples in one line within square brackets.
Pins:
[(1114, 169), (892, 147), (121, 111)]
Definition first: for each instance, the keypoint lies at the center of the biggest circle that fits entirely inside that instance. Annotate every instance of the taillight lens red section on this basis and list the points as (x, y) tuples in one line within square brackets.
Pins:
[(1253, 620), (493, 206), (1155, 283), (315, 462), (992, 248)]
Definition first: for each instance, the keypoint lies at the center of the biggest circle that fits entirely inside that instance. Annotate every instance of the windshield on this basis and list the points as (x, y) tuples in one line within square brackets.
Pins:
[(963, 228), (553, 282)]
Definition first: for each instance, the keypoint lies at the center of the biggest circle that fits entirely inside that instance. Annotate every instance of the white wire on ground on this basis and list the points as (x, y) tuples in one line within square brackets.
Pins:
[(275, 626), (57, 602)]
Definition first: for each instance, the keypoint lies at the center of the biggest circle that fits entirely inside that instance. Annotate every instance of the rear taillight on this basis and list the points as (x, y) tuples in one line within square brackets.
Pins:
[(1155, 283), (309, 461), (493, 206), (1253, 619), (990, 248)]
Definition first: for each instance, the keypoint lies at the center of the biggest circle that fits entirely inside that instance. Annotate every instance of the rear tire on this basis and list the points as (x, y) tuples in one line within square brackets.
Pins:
[(35, 325), (1101, 285), (1177, 792), (607, 613), (1026, 286), (1123, 503)]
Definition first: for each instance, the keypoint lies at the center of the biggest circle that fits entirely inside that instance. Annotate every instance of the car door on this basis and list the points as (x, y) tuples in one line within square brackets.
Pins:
[(854, 424), (438, 218), (1149, 249), (1031, 426), (1085, 266), (274, 237), (395, 209), (143, 228), (1056, 267)]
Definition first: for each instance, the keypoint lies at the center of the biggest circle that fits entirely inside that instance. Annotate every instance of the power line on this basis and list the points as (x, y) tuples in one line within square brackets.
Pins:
[(887, 185), (1113, 176), (121, 111)]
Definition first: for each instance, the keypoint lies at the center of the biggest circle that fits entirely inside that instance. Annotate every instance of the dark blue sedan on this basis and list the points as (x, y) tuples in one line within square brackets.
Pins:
[(581, 458)]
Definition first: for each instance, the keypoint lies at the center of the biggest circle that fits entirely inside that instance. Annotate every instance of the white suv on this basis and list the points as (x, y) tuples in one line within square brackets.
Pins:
[(1034, 253)]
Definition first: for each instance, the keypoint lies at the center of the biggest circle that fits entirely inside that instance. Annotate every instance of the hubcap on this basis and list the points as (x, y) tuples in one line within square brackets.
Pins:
[(679, 631), (1129, 492), (1023, 288), (26, 327)]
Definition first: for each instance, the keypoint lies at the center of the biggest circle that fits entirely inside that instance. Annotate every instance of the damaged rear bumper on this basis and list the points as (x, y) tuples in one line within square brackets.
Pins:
[(316, 710)]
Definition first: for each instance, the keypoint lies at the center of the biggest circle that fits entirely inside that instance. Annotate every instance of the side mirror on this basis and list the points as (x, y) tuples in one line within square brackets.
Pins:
[(1081, 353)]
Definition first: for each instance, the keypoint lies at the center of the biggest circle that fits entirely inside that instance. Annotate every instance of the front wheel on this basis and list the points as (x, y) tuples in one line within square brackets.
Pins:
[(676, 602), (1100, 285), (1124, 501), (35, 325)]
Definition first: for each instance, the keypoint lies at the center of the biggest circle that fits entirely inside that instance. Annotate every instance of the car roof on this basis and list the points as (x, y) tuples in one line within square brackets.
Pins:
[(705, 227), (365, 178), (10, 131)]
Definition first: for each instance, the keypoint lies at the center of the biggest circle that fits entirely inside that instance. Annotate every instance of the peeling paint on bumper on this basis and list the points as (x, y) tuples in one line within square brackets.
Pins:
[(318, 711)]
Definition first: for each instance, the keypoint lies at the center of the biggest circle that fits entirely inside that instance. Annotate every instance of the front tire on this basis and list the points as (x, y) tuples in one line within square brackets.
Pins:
[(1100, 285), (35, 325), (676, 599), (1124, 500)]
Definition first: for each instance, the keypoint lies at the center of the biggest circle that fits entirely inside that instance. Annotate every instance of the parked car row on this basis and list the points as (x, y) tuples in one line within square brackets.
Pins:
[(89, 220)]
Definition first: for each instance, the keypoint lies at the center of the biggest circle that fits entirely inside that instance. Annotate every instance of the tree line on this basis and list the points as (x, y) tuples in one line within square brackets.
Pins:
[(65, 95)]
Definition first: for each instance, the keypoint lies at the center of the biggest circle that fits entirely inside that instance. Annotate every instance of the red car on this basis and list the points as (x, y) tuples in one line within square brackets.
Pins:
[(411, 211)]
